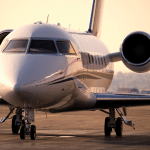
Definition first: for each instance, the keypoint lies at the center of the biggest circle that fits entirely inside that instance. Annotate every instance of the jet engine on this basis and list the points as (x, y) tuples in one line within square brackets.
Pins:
[(135, 52)]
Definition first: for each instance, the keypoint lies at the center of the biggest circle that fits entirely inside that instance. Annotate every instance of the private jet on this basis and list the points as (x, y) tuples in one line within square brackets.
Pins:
[(49, 68)]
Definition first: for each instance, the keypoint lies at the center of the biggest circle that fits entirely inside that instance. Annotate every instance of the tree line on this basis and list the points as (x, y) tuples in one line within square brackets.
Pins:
[(130, 80)]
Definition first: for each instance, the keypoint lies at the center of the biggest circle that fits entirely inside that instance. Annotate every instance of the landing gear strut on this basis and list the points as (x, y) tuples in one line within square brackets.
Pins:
[(15, 128), (17, 121)]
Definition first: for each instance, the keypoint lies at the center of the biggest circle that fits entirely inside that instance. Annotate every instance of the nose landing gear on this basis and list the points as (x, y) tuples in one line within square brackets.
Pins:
[(25, 128), (25, 123), (17, 121), (24, 131)]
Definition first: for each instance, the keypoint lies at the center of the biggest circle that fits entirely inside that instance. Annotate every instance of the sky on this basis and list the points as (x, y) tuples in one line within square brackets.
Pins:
[(120, 17)]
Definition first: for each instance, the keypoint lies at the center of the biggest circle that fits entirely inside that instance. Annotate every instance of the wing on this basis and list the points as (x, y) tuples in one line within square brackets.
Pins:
[(106, 101)]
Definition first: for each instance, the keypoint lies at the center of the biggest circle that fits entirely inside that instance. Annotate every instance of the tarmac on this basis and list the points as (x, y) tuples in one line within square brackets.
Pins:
[(79, 130)]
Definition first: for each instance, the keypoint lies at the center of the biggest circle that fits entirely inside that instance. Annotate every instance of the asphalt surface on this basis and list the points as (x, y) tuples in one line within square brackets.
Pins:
[(79, 130)]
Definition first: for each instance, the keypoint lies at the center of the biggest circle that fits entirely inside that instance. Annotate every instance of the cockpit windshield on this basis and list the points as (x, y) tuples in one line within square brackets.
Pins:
[(4, 44), (65, 47), (16, 46), (42, 46)]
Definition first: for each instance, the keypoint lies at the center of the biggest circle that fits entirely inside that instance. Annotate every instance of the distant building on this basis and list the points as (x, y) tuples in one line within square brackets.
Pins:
[(127, 91), (145, 91)]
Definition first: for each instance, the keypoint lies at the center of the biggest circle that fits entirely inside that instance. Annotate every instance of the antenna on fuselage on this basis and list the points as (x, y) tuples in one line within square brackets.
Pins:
[(69, 25), (47, 18), (96, 17), (58, 24)]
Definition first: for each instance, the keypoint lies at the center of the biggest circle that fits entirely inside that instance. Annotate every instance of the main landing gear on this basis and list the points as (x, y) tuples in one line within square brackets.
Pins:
[(24, 124), (116, 124)]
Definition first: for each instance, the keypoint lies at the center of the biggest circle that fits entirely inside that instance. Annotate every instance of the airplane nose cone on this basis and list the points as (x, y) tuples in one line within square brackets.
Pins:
[(13, 92), (12, 81), (24, 82)]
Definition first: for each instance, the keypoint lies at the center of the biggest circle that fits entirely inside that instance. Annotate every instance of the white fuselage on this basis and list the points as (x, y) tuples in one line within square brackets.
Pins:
[(54, 81)]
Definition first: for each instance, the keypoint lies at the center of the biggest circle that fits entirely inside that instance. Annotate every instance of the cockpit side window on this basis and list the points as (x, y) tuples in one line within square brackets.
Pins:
[(65, 47), (42, 46), (16, 46)]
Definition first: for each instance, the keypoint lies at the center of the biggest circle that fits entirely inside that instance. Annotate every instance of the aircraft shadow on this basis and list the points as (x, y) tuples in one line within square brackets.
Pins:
[(126, 140)]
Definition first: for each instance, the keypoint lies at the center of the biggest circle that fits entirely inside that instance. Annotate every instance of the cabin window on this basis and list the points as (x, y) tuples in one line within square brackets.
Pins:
[(89, 59), (65, 47), (99, 61), (95, 60), (92, 59), (102, 61), (16, 46), (42, 46)]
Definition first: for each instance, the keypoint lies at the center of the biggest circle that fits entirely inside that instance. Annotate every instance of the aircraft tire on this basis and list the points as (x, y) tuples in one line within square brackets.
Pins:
[(23, 122), (33, 132), (15, 128), (119, 127), (107, 129), (23, 132)]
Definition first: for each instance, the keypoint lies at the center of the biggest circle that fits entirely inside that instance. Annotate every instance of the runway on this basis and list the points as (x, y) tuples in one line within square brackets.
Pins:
[(79, 130)]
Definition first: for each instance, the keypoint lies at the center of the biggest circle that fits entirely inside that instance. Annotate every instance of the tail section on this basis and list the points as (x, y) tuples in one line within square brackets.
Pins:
[(96, 17)]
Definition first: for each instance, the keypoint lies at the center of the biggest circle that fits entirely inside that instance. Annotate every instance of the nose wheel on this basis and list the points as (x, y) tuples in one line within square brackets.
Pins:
[(24, 131)]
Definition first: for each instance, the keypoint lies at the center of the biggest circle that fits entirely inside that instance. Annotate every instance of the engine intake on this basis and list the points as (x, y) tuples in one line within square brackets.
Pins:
[(135, 52)]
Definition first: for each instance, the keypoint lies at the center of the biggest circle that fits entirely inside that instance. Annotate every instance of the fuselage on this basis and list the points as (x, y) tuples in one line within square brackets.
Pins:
[(46, 66)]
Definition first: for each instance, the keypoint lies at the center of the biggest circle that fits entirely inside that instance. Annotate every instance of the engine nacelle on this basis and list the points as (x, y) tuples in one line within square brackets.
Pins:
[(135, 52)]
